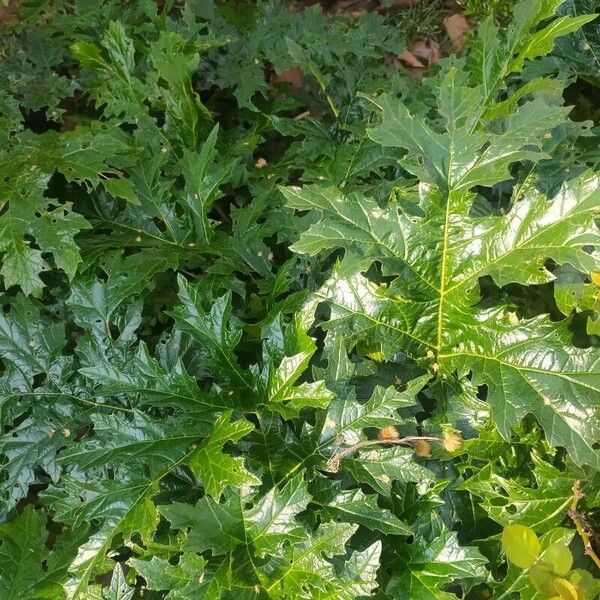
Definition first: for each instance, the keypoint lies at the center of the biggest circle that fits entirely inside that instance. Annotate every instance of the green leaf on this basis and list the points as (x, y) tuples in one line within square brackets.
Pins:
[(280, 393), (218, 527), (144, 378), (30, 569), (460, 158), (30, 446), (202, 181), (81, 156), (293, 560), (353, 506), (542, 42), (493, 61), (21, 554), (349, 222), (302, 570), (216, 331), (64, 550), (119, 91), (118, 588), (53, 230), (580, 49), (183, 581), (183, 108), (289, 400), (573, 290), (216, 469), (95, 302), (30, 343), (425, 567), (36, 421), (118, 440), (359, 575), (560, 558), (272, 519), (120, 510), (509, 502), (121, 188), (552, 389), (379, 468)]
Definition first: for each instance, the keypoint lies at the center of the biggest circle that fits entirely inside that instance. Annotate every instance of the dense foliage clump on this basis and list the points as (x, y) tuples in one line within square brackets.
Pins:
[(280, 322)]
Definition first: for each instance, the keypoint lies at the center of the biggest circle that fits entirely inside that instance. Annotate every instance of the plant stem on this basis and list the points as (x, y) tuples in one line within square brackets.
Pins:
[(405, 441), (583, 534)]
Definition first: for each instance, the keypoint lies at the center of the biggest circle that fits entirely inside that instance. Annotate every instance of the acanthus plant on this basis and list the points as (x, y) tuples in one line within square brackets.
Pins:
[(190, 410)]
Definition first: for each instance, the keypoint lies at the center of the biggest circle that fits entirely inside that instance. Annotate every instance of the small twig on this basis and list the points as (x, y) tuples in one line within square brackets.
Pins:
[(583, 534)]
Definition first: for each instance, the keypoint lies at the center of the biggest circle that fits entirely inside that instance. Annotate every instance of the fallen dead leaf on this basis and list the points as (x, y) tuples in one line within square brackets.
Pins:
[(410, 60), (427, 50), (457, 27), (291, 76)]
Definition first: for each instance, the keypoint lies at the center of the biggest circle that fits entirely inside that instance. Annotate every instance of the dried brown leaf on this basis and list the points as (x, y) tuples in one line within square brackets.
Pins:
[(457, 27), (291, 76), (427, 50), (410, 60)]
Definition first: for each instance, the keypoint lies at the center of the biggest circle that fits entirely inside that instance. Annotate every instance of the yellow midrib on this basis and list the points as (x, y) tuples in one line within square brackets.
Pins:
[(438, 344)]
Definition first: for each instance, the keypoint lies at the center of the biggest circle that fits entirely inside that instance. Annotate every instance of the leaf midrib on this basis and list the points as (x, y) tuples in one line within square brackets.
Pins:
[(562, 374)]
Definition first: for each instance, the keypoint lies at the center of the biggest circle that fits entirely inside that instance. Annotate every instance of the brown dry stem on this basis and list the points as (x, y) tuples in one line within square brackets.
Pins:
[(580, 525)]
